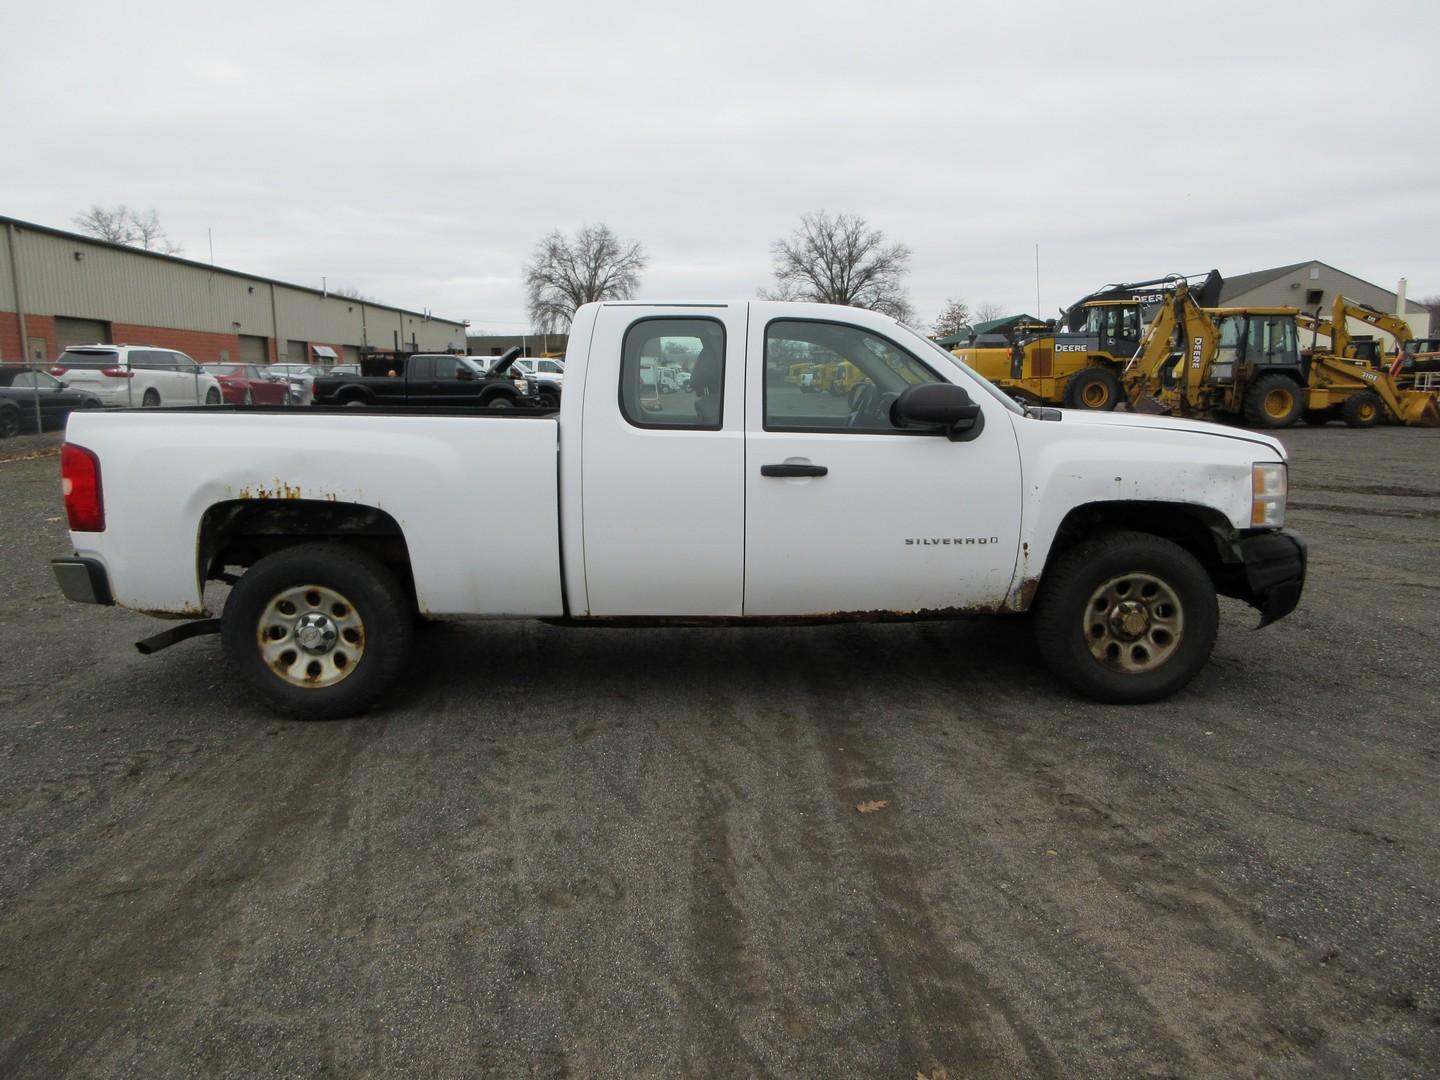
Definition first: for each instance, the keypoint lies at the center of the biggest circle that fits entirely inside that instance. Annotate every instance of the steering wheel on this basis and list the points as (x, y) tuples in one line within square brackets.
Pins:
[(863, 397)]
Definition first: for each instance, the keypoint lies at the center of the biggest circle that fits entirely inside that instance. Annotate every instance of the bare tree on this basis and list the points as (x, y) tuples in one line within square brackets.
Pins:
[(989, 313), (564, 273), (953, 318), (120, 224), (350, 292), (839, 259)]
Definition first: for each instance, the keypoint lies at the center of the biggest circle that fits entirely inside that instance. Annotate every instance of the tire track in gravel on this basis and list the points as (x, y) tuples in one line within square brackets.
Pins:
[(184, 873)]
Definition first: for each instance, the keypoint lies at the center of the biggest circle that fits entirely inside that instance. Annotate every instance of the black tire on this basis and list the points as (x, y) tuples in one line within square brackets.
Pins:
[(549, 400), (499, 401), (213, 397), (1273, 401), (1316, 417), (151, 399), (9, 423), (1066, 626), (1093, 388), (1364, 409), (378, 600)]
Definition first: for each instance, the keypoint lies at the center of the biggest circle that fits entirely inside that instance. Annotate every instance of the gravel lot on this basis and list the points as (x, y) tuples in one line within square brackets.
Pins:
[(638, 853)]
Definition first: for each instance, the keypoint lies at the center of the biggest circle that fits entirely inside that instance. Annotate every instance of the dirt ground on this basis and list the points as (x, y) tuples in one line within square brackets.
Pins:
[(638, 853)]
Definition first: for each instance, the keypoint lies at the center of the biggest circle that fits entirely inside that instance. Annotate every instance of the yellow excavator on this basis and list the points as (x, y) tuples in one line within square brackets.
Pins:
[(1357, 380)]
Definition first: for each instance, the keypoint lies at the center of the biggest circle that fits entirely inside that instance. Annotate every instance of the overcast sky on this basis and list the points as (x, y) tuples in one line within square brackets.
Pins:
[(419, 151)]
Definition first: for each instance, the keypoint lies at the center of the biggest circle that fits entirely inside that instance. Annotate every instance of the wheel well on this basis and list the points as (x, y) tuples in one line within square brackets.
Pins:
[(353, 393), (1200, 530), (241, 532)]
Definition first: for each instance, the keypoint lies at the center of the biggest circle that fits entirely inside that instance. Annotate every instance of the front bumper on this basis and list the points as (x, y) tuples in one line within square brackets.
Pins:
[(83, 580), (1274, 569)]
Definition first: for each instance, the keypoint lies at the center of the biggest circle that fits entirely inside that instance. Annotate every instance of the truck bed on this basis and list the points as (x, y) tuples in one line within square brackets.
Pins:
[(455, 480)]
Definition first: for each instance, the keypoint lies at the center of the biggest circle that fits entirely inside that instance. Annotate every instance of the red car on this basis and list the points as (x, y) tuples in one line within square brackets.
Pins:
[(247, 384)]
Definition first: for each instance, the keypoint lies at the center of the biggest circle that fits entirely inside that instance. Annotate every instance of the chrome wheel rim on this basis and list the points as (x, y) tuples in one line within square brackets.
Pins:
[(1133, 623), (311, 636)]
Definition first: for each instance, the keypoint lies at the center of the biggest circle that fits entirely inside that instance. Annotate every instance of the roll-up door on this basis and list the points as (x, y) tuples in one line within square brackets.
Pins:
[(80, 332), (253, 350), (297, 352)]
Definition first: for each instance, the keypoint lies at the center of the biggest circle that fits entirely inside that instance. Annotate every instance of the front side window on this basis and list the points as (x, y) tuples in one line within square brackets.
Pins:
[(36, 379), (1271, 341), (846, 379), (445, 367), (672, 373)]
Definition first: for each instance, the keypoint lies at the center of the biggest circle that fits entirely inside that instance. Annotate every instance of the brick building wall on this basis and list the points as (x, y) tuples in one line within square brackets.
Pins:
[(12, 349)]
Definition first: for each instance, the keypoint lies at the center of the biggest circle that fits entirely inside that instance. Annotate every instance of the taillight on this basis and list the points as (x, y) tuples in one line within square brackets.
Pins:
[(117, 373), (80, 483), (57, 370)]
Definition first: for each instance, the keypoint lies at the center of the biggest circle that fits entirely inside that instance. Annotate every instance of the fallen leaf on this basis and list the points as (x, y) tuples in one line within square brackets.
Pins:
[(871, 807), (938, 1074)]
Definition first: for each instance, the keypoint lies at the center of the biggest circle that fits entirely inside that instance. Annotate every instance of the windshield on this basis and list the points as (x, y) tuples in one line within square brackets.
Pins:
[(478, 369), (993, 390)]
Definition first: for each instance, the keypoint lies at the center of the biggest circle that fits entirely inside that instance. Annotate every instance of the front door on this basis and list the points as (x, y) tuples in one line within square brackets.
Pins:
[(899, 521), (662, 483)]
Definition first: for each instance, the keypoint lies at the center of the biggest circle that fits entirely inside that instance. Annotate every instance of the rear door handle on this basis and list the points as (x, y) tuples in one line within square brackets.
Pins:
[(793, 470)]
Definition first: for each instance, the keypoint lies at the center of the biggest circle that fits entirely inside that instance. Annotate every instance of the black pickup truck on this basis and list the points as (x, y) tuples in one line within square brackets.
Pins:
[(435, 379)]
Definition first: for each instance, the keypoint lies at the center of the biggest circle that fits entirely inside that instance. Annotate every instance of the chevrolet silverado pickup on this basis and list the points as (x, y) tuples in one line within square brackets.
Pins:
[(922, 493)]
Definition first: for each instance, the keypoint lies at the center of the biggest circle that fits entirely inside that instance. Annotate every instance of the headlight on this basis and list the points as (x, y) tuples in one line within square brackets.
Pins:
[(1268, 486), (522, 385)]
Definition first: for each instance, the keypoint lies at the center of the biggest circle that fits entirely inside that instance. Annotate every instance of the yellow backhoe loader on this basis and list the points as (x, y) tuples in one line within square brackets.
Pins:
[(1079, 362), (1357, 380)]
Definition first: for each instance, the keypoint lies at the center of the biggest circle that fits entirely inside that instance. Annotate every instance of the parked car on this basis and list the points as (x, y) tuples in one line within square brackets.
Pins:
[(250, 384), (33, 400), (929, 495), (300, 378), (433, 379), (548, 373), (124, 376)]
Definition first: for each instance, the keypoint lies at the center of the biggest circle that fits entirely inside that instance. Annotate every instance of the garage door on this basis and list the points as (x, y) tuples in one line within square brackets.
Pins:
[(297, 352), (80, 332), (254, 350), (352, 354)]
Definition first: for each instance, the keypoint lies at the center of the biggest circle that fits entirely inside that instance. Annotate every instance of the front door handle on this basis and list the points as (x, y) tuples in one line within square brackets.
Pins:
[(793, 470)]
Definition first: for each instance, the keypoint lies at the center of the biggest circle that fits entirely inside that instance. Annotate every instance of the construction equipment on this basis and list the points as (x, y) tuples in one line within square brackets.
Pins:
[(1356, 380), (1207, 361), (1079, 361), (1246, 362)]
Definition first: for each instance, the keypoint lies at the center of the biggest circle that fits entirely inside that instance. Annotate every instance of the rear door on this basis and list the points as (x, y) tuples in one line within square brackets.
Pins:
[(662, 477), (845, 511)]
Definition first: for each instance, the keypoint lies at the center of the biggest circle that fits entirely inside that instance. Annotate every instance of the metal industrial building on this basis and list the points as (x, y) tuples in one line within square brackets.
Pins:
[(59, 288), (1314, 284)]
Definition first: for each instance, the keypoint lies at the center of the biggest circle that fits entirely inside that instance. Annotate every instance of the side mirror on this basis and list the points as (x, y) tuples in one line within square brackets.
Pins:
[(942, 407)]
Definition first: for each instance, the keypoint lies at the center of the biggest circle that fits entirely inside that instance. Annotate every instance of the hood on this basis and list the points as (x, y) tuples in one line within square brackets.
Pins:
[(507, 359), (1091, 418)]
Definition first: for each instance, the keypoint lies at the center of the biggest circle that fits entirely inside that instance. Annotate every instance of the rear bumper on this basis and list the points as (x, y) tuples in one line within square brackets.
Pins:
[(1274, 568), (83, 580)]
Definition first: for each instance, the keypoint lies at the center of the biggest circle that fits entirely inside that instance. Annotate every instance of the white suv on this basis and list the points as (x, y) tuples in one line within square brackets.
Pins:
[(123, 376)]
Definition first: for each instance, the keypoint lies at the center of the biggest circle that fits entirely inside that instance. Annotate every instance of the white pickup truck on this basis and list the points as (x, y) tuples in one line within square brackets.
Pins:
[(924, 494)]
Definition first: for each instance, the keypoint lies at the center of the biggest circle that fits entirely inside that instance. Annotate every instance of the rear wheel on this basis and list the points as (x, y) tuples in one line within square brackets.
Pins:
[(1273, 401), (1126, 617), (1094, 388), (9, 423), (212, 397), (1362, 410), (151, 399), (319, 630)]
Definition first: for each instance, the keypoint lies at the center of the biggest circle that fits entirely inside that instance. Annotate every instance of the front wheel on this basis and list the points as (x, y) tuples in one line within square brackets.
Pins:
[(1126, 617), (499, 402), (319, 630), (9, 423), (1362, 410), (1094, 388)]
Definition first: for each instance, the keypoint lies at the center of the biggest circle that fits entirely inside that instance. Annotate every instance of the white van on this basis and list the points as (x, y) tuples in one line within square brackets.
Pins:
[(126, 376)]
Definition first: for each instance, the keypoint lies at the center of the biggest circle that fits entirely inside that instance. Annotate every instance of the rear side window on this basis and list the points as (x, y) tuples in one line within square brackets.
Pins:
[(672, 374)]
